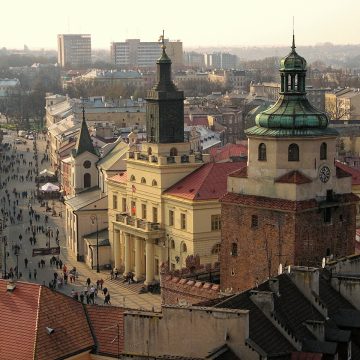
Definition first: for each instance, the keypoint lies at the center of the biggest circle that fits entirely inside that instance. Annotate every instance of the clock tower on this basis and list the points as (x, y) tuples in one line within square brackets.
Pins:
[(291, 205)]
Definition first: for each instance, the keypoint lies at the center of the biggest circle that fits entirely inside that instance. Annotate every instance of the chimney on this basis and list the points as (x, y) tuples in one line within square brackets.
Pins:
[(10, 286), (264, 300), (274, 286)]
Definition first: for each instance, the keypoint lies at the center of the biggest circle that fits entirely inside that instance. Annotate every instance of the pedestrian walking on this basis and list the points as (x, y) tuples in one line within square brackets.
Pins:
[(29, 274), (107, 299), (35, 273), (26, 262), (88, 281)]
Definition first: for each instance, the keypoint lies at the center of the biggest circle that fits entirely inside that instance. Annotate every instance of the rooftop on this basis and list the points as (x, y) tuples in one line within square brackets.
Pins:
[(206, 183)]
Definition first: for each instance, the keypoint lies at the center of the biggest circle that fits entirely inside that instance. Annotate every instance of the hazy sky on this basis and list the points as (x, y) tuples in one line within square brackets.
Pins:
[(196, 22)]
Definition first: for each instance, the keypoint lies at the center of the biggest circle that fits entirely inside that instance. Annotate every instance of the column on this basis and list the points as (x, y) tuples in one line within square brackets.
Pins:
[(117, 249), (127, 253), (149, 249), (138, 254)]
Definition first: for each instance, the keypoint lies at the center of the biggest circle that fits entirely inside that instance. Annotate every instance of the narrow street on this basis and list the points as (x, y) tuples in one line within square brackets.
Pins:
[(121, 294)]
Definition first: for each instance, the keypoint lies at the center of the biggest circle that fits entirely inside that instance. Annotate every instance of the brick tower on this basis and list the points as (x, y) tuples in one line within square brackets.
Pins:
[(290, 205)]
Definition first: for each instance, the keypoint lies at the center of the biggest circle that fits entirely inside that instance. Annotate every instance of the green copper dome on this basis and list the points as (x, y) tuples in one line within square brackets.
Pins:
[(293, 61), (292, 114)]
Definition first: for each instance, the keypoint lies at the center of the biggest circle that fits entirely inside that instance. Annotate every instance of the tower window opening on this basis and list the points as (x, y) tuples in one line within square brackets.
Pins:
[(323, 151), (293, 152), (234, 249), (262, 152)]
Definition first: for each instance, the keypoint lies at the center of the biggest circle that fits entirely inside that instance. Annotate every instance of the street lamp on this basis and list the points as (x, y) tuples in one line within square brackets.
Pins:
[(49, 235), (169, 239), (93, 219)]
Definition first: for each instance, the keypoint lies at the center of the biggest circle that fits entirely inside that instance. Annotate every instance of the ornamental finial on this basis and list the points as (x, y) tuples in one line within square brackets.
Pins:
[(162, 40), (293, 41), (83, 111)]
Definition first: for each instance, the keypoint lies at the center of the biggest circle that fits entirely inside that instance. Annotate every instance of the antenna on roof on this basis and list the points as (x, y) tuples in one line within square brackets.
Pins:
[(280, 269), (323, 263)]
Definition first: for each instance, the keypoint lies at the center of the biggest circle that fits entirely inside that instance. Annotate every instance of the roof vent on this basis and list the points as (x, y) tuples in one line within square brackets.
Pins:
[(49, 330), (11, 285)]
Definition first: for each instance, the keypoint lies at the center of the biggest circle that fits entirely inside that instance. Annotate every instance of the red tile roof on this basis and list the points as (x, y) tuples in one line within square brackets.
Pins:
[(196, 120), (18, 319), (280, 204), (228, 151), (293, 177), (206, 183), (25, 314), (120, 178), (105, 321), (343, 170)]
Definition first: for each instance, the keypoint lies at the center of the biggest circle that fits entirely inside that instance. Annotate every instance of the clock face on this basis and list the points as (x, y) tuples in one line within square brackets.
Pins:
[(324, 174)]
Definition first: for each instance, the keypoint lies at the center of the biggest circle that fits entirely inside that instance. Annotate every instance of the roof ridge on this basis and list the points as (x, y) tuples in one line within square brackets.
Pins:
[(37, 321)]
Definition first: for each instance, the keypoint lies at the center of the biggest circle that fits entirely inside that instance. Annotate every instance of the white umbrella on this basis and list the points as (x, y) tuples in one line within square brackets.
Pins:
[(46, 172), (48, 187)]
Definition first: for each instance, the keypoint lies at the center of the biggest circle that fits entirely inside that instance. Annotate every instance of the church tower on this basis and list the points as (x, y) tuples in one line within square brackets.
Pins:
[(84, 173), (164, 106), (291, 205)]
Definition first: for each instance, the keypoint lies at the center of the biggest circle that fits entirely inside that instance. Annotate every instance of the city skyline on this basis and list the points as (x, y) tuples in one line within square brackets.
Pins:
[(259, 23)]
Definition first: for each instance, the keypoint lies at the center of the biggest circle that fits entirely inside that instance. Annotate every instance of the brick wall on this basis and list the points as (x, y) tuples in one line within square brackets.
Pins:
[(287, 238), (185, 288)]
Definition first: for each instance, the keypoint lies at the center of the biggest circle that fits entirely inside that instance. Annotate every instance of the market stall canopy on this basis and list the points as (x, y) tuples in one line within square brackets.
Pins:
[(49, 187)]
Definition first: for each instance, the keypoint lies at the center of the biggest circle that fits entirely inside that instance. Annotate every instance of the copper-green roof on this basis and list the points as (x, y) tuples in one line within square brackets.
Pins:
[(292, 114)]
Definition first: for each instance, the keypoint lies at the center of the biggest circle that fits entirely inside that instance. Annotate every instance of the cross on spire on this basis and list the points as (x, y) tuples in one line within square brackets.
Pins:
[(293, 41)]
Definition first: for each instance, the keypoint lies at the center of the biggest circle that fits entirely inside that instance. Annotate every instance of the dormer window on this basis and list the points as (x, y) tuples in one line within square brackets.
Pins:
[(293, 152), (262, 152)]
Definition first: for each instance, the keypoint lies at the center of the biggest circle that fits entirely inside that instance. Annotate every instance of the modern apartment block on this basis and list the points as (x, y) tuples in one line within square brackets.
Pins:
[(134, 53), (74, 50), (221, 61)]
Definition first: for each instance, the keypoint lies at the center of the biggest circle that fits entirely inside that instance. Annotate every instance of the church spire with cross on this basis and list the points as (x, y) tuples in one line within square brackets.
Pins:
[(165, 104), (84, 142)]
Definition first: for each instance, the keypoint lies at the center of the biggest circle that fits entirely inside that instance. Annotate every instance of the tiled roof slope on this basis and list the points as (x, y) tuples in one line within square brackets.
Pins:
[(261, 330), (67, 317), (120, 178), (343, 170), (228, 151), (18, 319), (206, 183), (104, 322), (293, 177)]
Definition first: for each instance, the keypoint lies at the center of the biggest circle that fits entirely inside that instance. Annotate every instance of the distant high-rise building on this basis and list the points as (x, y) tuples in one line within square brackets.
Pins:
[(135, 53), (74, 50), (221, 60)]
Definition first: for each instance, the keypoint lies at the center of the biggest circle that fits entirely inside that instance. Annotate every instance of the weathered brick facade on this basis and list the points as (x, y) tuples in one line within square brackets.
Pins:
[(251, 253), (189, 286)]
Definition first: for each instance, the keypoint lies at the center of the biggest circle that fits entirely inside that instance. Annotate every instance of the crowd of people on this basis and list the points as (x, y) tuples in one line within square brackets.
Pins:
[(18, 211)]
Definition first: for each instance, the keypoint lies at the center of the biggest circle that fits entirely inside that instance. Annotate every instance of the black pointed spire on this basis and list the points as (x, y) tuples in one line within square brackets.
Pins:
[(293, 43), (84, 142), (164, 105)]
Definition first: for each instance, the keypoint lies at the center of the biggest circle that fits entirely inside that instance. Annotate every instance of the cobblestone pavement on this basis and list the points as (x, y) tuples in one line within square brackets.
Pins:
[(121, 293)]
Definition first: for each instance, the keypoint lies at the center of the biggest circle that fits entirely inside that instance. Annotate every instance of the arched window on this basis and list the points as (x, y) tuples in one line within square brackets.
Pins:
[(216, 249), (149, 151), (87, 180), (173, 152), (172, 244), (262, 152), (323, 151), (132, 178), (293, 152), (183, 248), (154, 183), (143, 180)]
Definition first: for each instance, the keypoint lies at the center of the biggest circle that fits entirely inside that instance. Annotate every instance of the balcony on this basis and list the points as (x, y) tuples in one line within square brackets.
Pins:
[(139, 227)]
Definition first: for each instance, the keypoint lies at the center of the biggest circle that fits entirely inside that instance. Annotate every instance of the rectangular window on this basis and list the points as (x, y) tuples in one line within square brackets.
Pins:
[(123, 205), (327, 215), (114, 201), (155, 214), (234, 250), (156, 266), (143, 211), (183, 221), (254, 221), (133, 208), (215, 222), (171, 218)]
